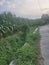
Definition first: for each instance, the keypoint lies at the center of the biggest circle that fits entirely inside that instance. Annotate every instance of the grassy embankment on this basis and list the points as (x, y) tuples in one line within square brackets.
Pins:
[(13, 48), (17, 41)]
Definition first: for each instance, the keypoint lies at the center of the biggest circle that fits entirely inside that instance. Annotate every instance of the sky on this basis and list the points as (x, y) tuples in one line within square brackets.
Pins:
[(25, 8)]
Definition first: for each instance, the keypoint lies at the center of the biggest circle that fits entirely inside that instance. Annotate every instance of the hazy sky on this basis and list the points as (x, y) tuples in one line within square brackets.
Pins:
[(25, 8)]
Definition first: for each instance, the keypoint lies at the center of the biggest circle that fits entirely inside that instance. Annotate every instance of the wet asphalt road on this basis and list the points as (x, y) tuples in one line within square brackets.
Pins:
[(44, 43)]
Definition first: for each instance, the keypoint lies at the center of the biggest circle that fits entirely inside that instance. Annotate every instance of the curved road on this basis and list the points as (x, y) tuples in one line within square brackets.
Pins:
[(44, 43)]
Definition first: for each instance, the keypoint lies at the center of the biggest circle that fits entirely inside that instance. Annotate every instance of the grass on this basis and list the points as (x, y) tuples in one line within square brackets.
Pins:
[(12, 48)]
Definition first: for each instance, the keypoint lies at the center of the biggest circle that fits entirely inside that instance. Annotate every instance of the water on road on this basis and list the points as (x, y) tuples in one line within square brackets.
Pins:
[(44, 43)]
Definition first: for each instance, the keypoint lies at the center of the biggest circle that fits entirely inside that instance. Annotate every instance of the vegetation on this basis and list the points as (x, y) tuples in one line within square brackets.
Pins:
[(13, 48), (17, 41), (10, 24)]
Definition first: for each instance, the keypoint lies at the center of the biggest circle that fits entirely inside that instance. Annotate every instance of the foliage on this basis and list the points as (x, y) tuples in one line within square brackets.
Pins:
[(10, 24), (17, 40), (13, 48)]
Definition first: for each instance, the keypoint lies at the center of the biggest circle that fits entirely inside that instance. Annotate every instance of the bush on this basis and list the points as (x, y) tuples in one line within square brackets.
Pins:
[(26, 55)]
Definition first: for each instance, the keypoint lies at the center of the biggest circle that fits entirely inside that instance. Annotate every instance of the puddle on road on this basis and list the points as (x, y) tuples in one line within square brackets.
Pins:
[(44, 43)]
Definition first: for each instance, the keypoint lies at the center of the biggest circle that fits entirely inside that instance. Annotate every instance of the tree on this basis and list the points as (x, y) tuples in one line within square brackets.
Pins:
[(45, 18)]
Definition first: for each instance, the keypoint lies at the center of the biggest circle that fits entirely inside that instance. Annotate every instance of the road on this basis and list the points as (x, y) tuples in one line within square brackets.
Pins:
[(44, 43)]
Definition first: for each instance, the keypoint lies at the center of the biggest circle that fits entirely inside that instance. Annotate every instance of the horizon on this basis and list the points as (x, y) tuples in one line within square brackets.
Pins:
[(31, 9)]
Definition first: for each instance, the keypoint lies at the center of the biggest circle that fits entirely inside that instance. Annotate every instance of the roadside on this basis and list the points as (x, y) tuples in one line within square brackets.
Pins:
[(40, 58), (27, 54)]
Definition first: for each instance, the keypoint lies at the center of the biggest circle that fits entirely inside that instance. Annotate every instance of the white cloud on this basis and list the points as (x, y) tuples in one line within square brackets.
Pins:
[(30, 7), (26, 7), (12, 6), (2, 2)]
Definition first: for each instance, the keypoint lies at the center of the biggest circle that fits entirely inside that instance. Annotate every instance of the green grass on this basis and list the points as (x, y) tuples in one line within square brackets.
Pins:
[(13, 48)]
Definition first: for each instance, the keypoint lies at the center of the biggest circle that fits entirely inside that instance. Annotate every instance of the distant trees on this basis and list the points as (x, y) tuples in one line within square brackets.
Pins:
[(45, 18), (10, 24)]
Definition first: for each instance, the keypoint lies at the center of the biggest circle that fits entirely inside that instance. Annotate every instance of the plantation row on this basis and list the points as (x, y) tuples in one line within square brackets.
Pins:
[(10, 24), (20, 43)]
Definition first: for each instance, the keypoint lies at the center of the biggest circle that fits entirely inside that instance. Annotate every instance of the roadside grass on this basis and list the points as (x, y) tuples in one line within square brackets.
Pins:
[(12, 48)]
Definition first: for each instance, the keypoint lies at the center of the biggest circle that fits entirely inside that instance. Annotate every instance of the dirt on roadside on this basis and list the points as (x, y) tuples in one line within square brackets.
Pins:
[(40, 58)]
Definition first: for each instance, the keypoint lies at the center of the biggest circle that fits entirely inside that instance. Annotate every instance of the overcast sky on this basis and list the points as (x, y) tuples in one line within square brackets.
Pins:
[(25, 8)]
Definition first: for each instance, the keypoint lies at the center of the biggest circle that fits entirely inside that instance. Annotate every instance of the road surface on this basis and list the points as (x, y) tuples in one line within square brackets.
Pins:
[(44, 43)]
